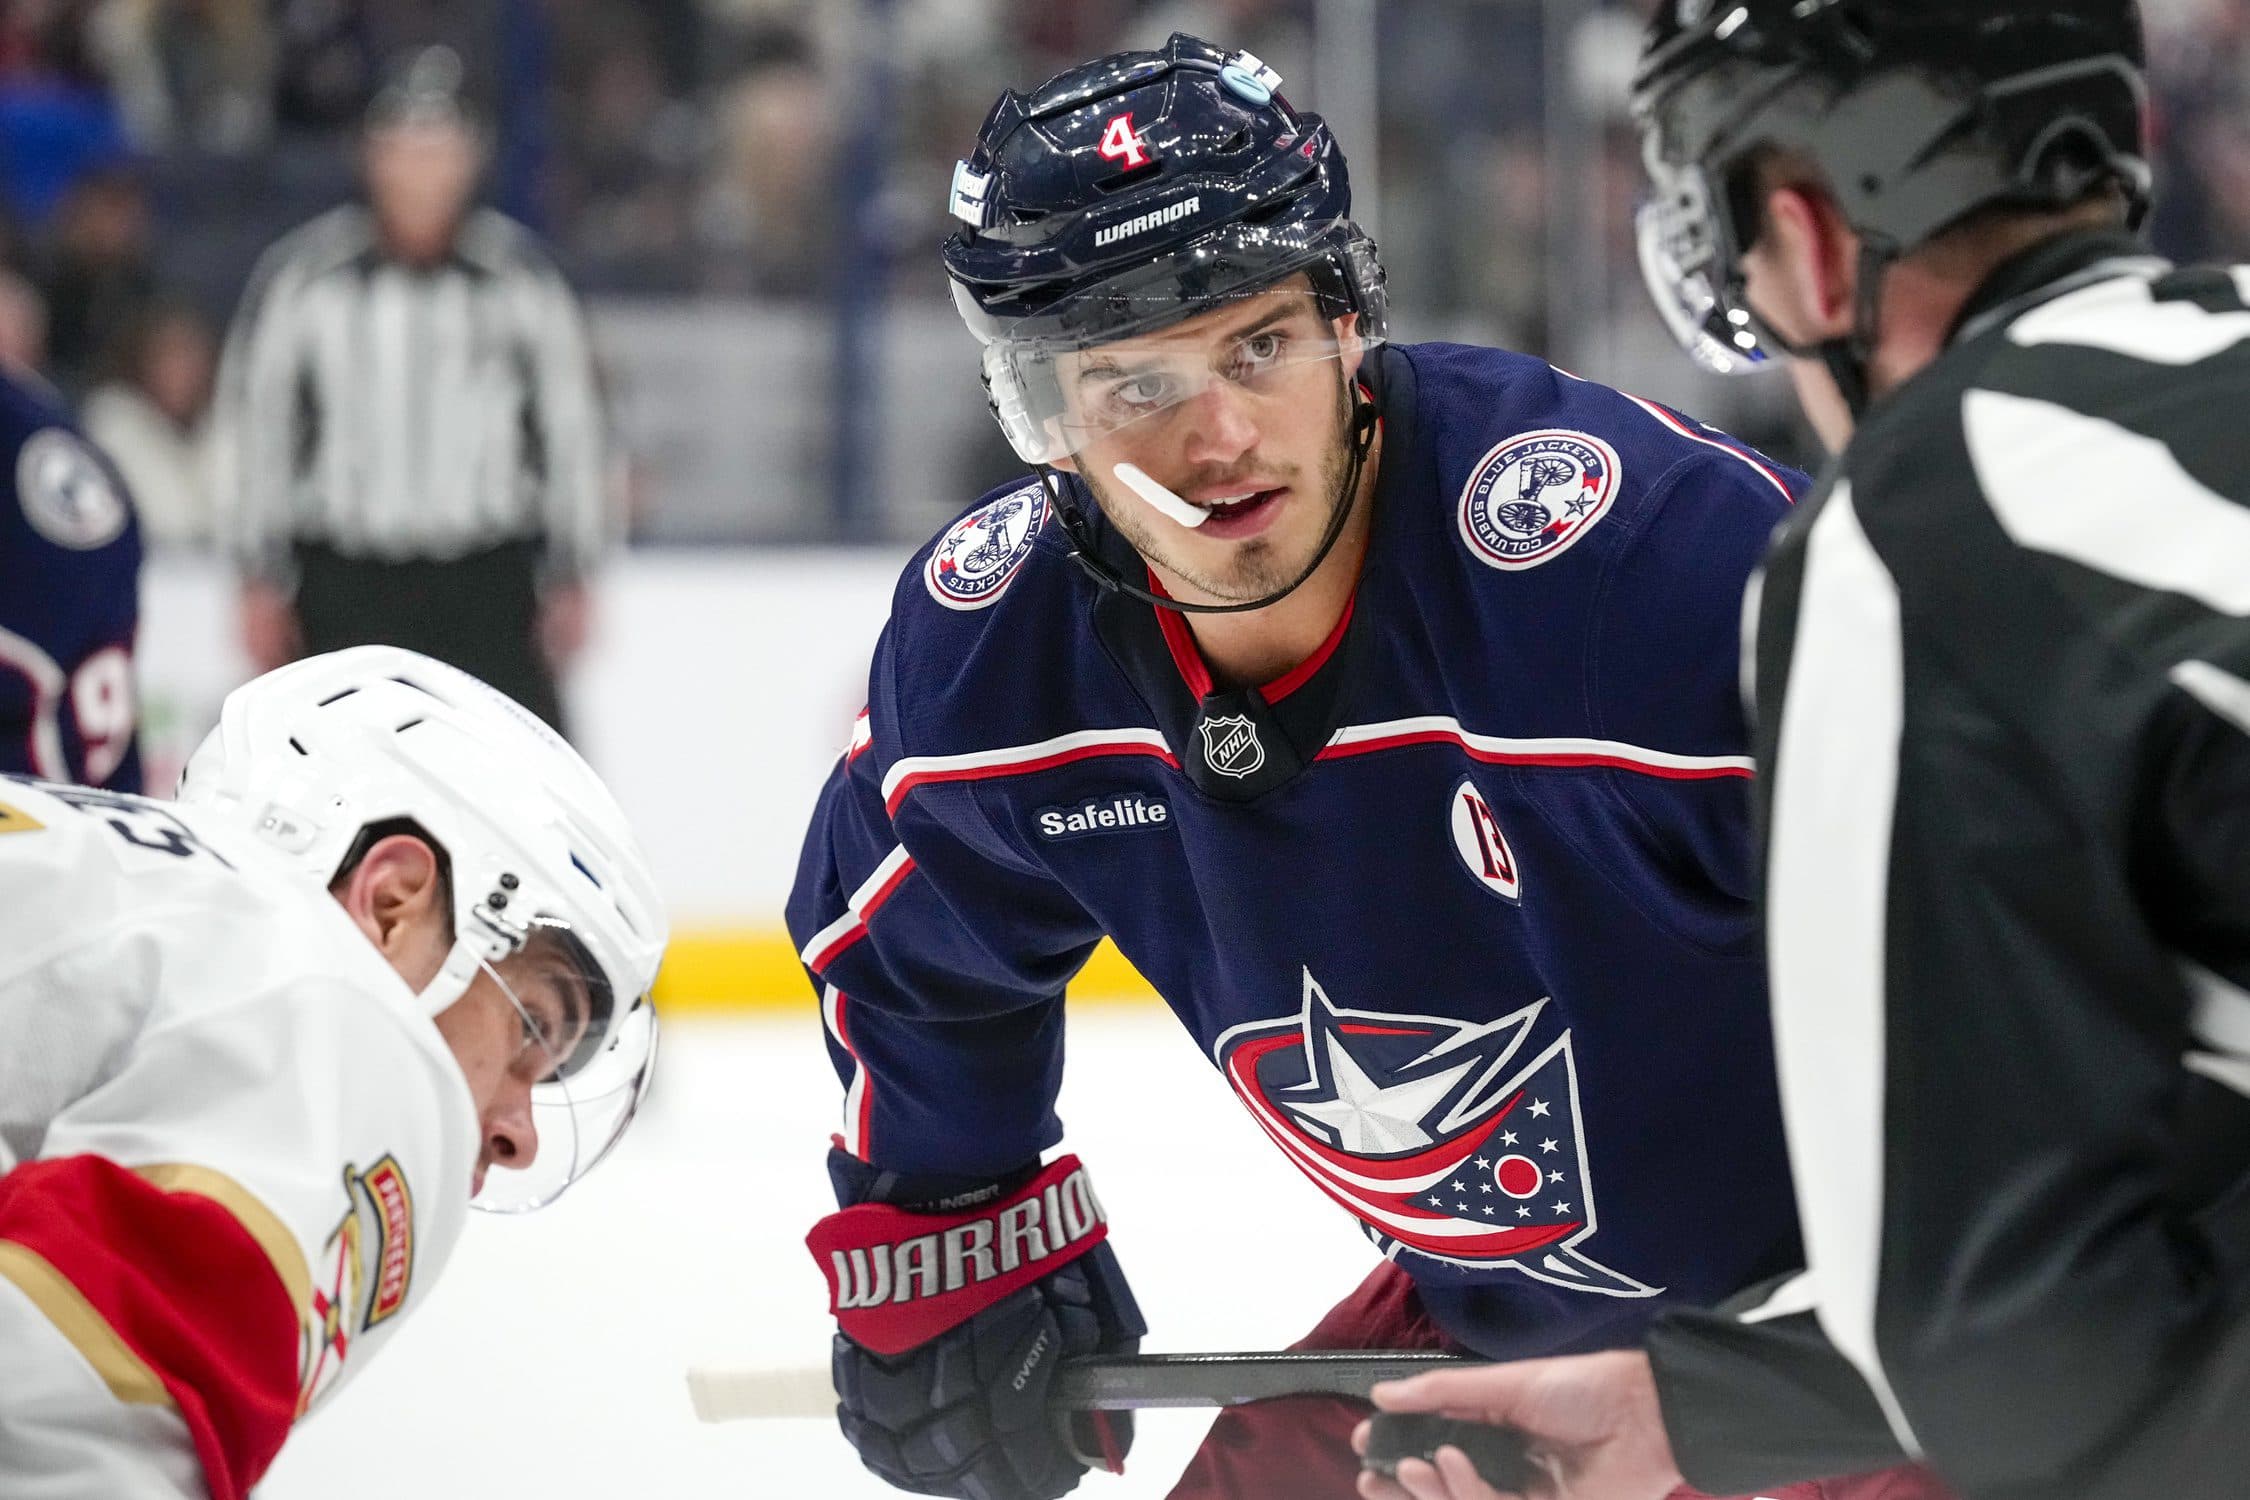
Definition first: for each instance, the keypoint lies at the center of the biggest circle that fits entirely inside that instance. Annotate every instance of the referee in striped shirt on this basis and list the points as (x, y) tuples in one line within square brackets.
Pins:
[(2001, 668), (412, 436)]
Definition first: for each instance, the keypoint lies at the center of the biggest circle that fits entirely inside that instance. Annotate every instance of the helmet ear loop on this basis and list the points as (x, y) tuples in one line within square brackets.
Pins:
[(453, 978)]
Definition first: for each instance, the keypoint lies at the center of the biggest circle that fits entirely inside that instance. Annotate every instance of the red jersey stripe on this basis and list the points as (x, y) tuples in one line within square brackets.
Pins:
[(182, 1284)]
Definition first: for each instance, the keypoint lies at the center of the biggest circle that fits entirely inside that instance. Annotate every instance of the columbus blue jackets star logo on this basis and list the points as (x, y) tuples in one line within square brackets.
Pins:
[(1456, 1142)]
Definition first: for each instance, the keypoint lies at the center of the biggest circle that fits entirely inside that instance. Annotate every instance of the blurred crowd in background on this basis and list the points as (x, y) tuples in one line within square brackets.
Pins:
[(749, 194)]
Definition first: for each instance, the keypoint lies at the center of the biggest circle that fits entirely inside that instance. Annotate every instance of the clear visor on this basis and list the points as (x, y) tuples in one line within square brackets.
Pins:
[(1122, 360), (1679, 252), (1131, 394), (581, 1067)]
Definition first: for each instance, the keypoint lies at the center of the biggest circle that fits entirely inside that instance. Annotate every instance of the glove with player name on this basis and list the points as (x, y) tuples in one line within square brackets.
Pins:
[(956, 1301)]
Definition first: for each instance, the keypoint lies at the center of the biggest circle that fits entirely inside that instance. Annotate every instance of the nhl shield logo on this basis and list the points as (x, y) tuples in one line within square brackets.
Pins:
[(983, 551), (1532, 497), (1231, 747)]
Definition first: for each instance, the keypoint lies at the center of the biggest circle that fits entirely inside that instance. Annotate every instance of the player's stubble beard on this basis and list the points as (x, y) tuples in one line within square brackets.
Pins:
[(1257, 566)]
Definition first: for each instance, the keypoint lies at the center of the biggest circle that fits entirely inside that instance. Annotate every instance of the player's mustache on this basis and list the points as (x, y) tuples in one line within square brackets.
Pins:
[(1235, 481)]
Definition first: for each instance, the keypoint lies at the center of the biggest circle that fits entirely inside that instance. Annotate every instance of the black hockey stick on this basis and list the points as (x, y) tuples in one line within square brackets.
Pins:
[(1127, 1382), (1138, 1381), (1104, 1383)]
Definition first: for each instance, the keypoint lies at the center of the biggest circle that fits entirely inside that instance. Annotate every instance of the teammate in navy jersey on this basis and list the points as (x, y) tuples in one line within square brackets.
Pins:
[(70, 561), (1380, 702)]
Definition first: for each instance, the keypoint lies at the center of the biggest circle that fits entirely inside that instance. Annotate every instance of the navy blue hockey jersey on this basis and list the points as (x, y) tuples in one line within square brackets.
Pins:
[(70, 561), (1460, 908)]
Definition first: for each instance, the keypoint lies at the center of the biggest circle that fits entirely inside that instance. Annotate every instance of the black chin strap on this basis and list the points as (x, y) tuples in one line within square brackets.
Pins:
[(1848, 358), (1081, 532)]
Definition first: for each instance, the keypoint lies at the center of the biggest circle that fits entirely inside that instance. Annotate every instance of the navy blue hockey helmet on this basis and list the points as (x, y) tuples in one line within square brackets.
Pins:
[(1917, 114), (1130, 193)]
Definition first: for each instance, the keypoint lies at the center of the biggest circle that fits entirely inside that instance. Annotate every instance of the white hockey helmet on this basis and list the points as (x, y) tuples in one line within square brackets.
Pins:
[(538, 853)]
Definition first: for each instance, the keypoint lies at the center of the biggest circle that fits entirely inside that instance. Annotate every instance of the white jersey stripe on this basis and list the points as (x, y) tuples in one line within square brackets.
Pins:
[(832, 1003), (2219, 690), (1835, 785), (859, 907), (1358, 739), (1693, 436), (830, 940), (1352, 739), (888, 871), (914, 770), (2033, 459), (48, 686), (1799, 1294), (2123, 316)]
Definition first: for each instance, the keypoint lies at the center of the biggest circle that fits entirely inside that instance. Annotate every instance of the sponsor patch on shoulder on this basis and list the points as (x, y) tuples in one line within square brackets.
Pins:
[(66, 493), (975, 560), (1532, 497)]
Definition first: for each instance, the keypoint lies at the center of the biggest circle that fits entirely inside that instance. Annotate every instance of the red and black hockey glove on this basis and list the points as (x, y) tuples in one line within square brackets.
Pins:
[(955, 1302)]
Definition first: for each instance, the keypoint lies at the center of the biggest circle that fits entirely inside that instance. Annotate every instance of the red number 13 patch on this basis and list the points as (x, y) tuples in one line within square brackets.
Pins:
[(1122, 144)]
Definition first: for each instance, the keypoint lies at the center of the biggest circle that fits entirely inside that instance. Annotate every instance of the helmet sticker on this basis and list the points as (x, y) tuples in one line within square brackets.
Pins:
[(969, 189), (1122, 144), (1248, 78)]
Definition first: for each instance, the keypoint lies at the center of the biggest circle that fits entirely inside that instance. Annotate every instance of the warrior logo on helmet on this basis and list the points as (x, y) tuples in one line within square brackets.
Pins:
[(1452, 1141), (974, 561), (1532, 497)]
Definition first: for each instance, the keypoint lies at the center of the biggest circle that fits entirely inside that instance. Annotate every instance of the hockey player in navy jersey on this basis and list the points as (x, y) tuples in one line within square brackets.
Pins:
[(70, 559), (1380, 702)]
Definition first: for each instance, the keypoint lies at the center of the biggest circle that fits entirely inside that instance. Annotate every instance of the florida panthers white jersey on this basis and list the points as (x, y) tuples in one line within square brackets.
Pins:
[(234, 1153)]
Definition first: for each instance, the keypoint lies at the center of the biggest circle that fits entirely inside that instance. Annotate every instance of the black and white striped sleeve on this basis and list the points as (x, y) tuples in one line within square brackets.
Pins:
[(565, 420), (2003, 689), (256, 417)]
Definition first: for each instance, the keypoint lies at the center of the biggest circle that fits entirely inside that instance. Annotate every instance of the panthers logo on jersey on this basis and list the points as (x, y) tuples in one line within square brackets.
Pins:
[(1532, 497), (349, 1302), (975, 560), (1457, 1142)]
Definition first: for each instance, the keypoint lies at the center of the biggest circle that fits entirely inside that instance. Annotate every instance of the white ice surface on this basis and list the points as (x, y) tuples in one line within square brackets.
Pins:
[(549, 1362)]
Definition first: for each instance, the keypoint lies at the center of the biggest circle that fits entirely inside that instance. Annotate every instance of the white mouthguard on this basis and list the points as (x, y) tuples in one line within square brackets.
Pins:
[(1165, 502)]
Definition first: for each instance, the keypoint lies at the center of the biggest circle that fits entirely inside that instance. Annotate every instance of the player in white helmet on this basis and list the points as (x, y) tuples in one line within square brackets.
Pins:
[(259, 1048)]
